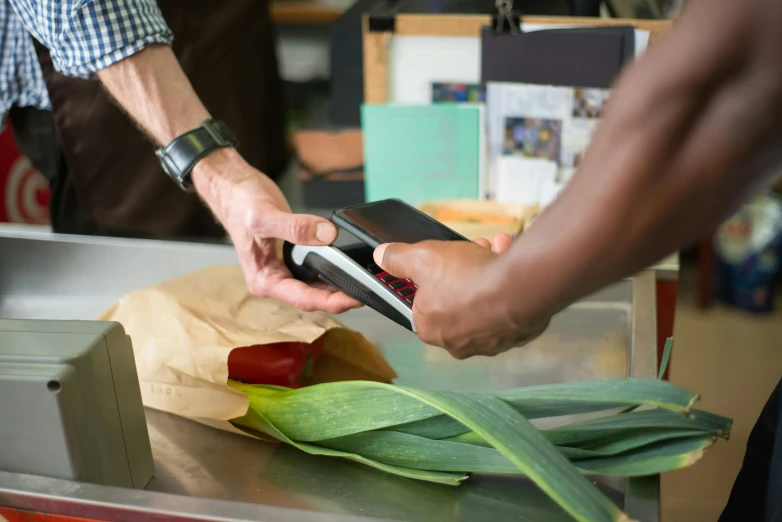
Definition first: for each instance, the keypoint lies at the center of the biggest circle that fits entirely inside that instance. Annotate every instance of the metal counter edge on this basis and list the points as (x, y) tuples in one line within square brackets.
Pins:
[(105, 503)]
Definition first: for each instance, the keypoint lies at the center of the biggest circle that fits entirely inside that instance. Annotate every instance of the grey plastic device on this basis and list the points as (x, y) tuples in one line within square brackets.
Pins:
[(351, 269), (70, 403)]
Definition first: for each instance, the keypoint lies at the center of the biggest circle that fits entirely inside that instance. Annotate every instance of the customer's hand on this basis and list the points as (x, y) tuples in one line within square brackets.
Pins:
[(256, 215), (498, 245), (460, 304)]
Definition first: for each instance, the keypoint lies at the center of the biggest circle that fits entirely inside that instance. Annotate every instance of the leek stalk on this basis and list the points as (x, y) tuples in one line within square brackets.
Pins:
[(442, 437)]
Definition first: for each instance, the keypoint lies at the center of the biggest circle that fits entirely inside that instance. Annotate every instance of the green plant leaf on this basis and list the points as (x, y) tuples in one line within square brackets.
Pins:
[(256, 421), (666, 356), (520, 442), (622, 431), (380, 425), (579, 433), (554, 400), (605, 446), (341, 408), (410, 451), (663, 366), (651, 460)]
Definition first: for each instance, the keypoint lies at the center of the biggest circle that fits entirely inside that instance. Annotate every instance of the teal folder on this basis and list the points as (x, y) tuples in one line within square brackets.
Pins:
[(422, 153)]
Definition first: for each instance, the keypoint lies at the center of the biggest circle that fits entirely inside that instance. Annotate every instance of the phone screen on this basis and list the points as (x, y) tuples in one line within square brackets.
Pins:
[(392, 221)]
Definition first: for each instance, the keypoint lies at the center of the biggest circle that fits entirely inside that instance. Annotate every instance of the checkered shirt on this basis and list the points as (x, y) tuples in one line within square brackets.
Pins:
[(83, 36)]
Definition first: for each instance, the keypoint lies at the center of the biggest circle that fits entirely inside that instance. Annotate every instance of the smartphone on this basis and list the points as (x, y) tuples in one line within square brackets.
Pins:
[(391, 221)]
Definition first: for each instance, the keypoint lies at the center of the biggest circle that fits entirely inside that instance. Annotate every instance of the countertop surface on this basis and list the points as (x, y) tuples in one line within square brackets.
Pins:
[(203, 473)]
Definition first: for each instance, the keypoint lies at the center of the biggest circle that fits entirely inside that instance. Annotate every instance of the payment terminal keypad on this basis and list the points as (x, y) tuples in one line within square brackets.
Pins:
[(404, 288)]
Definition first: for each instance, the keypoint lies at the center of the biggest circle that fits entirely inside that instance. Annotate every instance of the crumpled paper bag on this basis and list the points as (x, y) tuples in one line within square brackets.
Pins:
[(182, 331)]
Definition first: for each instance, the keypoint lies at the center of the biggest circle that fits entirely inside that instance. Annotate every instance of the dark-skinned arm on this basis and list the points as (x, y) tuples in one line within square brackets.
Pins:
[(691, 130)]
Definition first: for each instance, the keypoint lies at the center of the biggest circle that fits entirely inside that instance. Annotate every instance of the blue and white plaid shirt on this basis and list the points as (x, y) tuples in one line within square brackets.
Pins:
[(83, 36)]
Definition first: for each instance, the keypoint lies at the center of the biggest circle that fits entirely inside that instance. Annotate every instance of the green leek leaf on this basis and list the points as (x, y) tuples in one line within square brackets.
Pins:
[(521, 443), (535, 402), (411, 451), (441, 436), (651, 460), (256, 421), (374, 405)]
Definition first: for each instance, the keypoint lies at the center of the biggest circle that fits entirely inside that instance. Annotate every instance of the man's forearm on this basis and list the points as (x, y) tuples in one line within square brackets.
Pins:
[(152, 87), (687, 131)]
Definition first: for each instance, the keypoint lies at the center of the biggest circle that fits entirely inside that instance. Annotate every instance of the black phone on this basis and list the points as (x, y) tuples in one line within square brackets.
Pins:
[(391, 221)]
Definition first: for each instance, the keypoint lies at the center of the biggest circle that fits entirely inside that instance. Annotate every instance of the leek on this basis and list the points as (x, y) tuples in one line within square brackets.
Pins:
[(442, 437)]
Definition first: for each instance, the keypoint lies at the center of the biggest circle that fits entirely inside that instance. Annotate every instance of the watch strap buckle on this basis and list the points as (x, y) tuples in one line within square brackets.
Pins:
[(220, 133)]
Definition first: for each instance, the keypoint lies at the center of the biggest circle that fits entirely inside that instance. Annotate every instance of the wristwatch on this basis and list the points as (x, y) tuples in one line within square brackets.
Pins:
[(180, 156)]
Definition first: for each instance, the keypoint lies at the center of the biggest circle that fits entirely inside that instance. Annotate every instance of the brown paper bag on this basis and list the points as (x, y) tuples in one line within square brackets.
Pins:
[(183, 330)]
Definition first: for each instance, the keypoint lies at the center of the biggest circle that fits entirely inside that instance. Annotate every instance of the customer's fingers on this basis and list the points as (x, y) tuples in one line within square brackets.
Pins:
[(485, 243), (501, 243)]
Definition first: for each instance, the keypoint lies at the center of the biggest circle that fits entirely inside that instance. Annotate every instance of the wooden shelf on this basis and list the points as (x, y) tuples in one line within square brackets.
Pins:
[(304, 12)]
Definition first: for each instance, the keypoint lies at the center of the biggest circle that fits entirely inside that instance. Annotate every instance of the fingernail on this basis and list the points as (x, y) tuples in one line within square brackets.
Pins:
[(325, 233), (378, 254)]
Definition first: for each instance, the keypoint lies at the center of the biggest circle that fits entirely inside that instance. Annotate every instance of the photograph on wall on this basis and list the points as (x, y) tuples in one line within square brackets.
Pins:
[(533, 138), (458, 93), (589, 103)]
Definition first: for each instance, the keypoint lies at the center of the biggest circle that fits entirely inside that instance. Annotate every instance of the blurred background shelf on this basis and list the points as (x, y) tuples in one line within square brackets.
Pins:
[(305, 12)]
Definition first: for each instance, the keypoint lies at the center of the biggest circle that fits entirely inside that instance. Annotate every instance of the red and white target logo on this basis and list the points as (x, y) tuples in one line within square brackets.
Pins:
[(24, 192)]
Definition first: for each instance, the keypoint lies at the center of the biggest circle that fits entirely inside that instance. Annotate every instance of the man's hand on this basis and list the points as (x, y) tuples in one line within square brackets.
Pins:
[(151, 86), (459, 304), (256, 215)]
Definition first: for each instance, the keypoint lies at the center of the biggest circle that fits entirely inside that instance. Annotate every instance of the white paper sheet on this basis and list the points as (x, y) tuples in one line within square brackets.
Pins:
[(415, 62), (641, 42), (519, 180)]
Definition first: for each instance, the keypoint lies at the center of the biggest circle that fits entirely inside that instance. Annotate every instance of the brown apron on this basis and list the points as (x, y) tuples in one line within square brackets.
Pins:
[(227, 50)]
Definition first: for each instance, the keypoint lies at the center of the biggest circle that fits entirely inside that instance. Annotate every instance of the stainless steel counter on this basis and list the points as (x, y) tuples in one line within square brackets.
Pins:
[(206, 474)]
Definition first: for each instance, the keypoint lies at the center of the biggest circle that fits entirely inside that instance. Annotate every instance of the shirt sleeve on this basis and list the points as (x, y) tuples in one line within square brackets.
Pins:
[(85, 36)]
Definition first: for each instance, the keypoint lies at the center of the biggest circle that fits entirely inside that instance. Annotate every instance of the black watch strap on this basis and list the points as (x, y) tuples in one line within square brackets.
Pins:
[(180, 156)]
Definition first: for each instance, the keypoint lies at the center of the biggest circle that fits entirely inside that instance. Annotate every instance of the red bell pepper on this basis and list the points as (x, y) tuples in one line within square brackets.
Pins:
[(280, 364)]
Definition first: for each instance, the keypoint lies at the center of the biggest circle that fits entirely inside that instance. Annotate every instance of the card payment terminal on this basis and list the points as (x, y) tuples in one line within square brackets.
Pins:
[(348, 264)]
